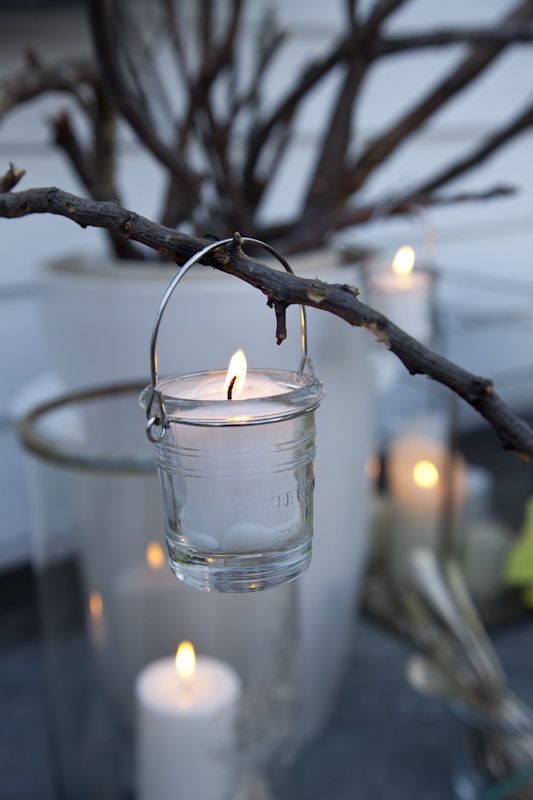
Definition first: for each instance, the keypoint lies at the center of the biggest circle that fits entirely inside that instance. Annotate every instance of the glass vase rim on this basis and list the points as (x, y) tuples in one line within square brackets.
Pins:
[(304, 393)]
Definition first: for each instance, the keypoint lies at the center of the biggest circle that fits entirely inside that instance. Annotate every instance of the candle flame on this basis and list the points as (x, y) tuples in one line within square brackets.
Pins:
[(96, 605), (425, 474), (155, 558), (185, 661), (404, 260), (237, 369)]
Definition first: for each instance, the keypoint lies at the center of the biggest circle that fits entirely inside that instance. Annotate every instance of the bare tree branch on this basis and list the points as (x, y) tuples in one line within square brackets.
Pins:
[(199, 115), (283, 114), (176, 39), (329, 170), (351, 12), (405, 205), (98, 183), (312, 236), (229, 192), (138, 64), (283, 288), (493, 143), (100, 13), (10, 178), (204, 19), (67, 140), (66, 76), (516, 33), (105, 144), (251, 95), (469, 69), (381, 11)]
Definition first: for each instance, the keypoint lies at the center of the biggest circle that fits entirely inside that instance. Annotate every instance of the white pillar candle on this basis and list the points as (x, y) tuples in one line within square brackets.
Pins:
[(403, 294), (418, 470), (144, 620), (186, 716), (237, 475)]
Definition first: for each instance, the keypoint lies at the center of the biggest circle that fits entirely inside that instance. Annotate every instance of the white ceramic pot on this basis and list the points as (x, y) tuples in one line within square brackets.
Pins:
[(98, 319)]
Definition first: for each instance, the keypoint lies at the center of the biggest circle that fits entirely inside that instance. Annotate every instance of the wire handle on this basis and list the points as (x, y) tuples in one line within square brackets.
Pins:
[(157, 422)]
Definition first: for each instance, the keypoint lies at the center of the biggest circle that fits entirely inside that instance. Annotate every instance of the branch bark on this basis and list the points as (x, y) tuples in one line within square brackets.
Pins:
[(311, 237), (10, 178), (100, 14), (513, 33), (94, 170), (493, 143), (467, 71), (66, 76), (381, 11), (283, 289)]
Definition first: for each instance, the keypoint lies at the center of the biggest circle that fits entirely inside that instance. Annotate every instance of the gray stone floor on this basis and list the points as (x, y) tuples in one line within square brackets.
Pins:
[(384, 742), (25, 756)]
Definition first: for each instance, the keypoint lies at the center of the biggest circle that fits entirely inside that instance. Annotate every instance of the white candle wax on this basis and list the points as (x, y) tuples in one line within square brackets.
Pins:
[(187, 731), (418, 472), (250, 505), (212, 388), (405, 299), (244, 511), (144, 615)]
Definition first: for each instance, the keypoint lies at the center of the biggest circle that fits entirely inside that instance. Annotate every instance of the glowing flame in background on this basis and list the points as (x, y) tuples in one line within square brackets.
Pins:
[(96, 605), (425, 474), (155, 557), (404, 260)]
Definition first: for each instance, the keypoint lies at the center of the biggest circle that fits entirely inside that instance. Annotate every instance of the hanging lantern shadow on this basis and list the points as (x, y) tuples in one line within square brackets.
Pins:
[(235, 456)]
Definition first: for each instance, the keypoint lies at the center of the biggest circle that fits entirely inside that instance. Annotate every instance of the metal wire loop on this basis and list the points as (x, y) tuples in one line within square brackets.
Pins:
[(155, 412)]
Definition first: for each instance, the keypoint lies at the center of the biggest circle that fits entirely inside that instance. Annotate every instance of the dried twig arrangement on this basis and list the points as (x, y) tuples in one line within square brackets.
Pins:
[(222, 157), (458, 664)]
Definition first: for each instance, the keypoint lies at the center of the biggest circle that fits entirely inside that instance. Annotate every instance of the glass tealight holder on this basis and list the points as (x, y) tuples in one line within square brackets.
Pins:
[(236, 468)]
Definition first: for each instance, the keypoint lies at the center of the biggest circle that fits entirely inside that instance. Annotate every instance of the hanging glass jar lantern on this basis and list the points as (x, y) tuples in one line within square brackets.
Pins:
[(235, 454)]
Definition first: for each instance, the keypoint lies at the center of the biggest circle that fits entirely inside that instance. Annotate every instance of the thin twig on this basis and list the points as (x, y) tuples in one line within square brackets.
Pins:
[(174, 32), (513, 33), (329, 170), (100, 14), (10, 178), (493, 143), (312, 236), (460, 77), (379, 14), (96, 180), (66, 76)]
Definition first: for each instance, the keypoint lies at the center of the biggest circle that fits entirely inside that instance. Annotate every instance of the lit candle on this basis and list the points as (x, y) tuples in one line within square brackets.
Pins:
[(187, 713), (233, 484), (403, 294), (144, 619), (216, 385), (418, 471), (96, 620)]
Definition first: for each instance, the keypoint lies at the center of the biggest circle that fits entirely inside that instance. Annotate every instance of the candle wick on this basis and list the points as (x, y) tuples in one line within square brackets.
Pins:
[(230, 387)]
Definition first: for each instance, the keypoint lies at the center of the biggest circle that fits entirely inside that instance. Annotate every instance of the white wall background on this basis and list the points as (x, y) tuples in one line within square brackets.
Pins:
[(493, 239)]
